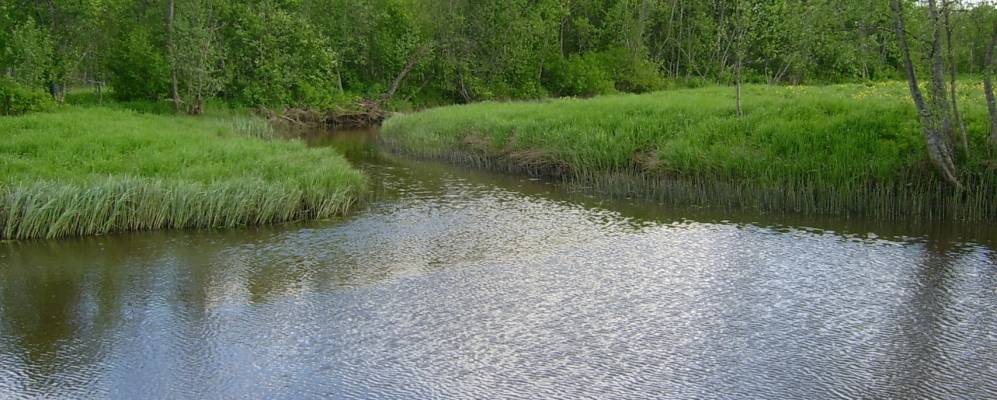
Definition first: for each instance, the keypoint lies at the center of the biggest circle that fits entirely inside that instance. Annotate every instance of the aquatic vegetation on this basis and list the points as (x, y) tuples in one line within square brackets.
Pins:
[(842, 149), (252, 126), (97, 170)]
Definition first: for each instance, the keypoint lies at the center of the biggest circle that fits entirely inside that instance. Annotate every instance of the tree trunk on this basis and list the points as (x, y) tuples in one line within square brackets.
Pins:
[(720, 62), (174, 92), (560, 35), (738, 72), (462, 88), (405, 71), (642, 23), (933, 118), (198, 107), (679, 43), (739, 34), (988, 88), (953, 72), (668, 41), (57, 53), (863, 38), (53, 90)]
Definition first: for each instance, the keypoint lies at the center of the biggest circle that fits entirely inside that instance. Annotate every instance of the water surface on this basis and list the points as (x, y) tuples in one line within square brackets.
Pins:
[(461, 284)]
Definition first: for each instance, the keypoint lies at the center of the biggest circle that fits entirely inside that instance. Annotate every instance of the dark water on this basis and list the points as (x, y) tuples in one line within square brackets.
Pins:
[(459, 284)]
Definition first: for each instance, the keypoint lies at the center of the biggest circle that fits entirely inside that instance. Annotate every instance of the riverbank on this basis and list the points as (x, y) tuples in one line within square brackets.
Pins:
[(82, 171), (834, 150)]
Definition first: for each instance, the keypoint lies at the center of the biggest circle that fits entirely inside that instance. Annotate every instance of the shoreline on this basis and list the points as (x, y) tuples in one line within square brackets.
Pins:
[(94, 171), (707, 158)]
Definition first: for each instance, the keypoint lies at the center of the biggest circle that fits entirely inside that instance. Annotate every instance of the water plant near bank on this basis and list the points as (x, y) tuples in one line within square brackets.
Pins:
[(842, 150), (91, 171)]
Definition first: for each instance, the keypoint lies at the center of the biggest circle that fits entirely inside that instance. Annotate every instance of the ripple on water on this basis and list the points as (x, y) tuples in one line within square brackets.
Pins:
[(454, 288)]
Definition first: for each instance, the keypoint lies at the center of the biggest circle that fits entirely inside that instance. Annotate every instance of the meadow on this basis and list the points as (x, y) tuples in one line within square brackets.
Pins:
[(92, 170), (851, 149)]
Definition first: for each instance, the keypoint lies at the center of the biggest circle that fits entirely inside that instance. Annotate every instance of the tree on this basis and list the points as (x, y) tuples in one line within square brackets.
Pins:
[(404, 72), (935, 114), (322, 52), (947, 6), (988, 87), (66, 23), (276, 57), (196, 55), (741, 30), (171, 51), (136, 66), (27, 53)]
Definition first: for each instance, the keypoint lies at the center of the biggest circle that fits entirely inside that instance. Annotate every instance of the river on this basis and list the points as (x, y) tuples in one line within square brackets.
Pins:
[(463, 284)]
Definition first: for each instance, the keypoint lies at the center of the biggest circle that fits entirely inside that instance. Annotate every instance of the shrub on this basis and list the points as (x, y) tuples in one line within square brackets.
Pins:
[(579, 75), (16, 99), (632, 72), (603, 72), (277, 60), (138, 69)]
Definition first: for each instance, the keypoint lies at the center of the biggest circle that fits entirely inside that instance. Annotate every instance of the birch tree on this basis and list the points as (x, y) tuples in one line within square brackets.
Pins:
[(934, 112), (988, 87)]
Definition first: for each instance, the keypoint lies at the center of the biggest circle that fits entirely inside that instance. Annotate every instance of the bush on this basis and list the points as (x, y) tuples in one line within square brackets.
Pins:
[(632, 73), (579, 75), (138, 69), (16, 99), (276, 60), (603, 72), (27, 52)]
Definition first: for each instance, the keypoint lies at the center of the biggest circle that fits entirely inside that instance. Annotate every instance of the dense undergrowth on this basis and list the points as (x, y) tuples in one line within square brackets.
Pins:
[(16, 99), (842, 150), (95, 170)]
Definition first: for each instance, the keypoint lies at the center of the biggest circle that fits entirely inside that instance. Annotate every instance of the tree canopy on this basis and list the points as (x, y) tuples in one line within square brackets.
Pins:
[(318, 53)]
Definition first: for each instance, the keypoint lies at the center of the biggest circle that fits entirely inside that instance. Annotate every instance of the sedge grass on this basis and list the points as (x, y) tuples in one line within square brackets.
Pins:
[(842, 150), (91, 171)]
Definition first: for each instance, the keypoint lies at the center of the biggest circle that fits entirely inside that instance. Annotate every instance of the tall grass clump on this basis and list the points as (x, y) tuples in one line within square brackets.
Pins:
[(840, 150), (92, 171)]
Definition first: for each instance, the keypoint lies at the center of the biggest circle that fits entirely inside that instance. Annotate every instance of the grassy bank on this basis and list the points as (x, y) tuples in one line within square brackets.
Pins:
[(844, 150), (87, 171)]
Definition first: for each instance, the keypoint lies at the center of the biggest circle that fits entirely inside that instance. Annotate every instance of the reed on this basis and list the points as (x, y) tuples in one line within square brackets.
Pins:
[(95, 171), (841, 150)]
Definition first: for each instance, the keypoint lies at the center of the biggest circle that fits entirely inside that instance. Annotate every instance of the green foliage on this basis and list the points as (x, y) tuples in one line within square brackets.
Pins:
[(96, 171), (196, 55), (323, 53), (17, 99), (374, 39), (972, 34), (252, 127), (138, 68), (28, 51), (838, 149), (279, 59), (492, 49), (632, 72), (579, 75)]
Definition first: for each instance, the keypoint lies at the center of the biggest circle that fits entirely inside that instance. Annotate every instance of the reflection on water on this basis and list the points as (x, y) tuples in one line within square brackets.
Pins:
[(461, 284)]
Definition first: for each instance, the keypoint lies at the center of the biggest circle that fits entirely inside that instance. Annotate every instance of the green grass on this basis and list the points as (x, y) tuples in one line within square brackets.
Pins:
[(844, 149), (96, 170)]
